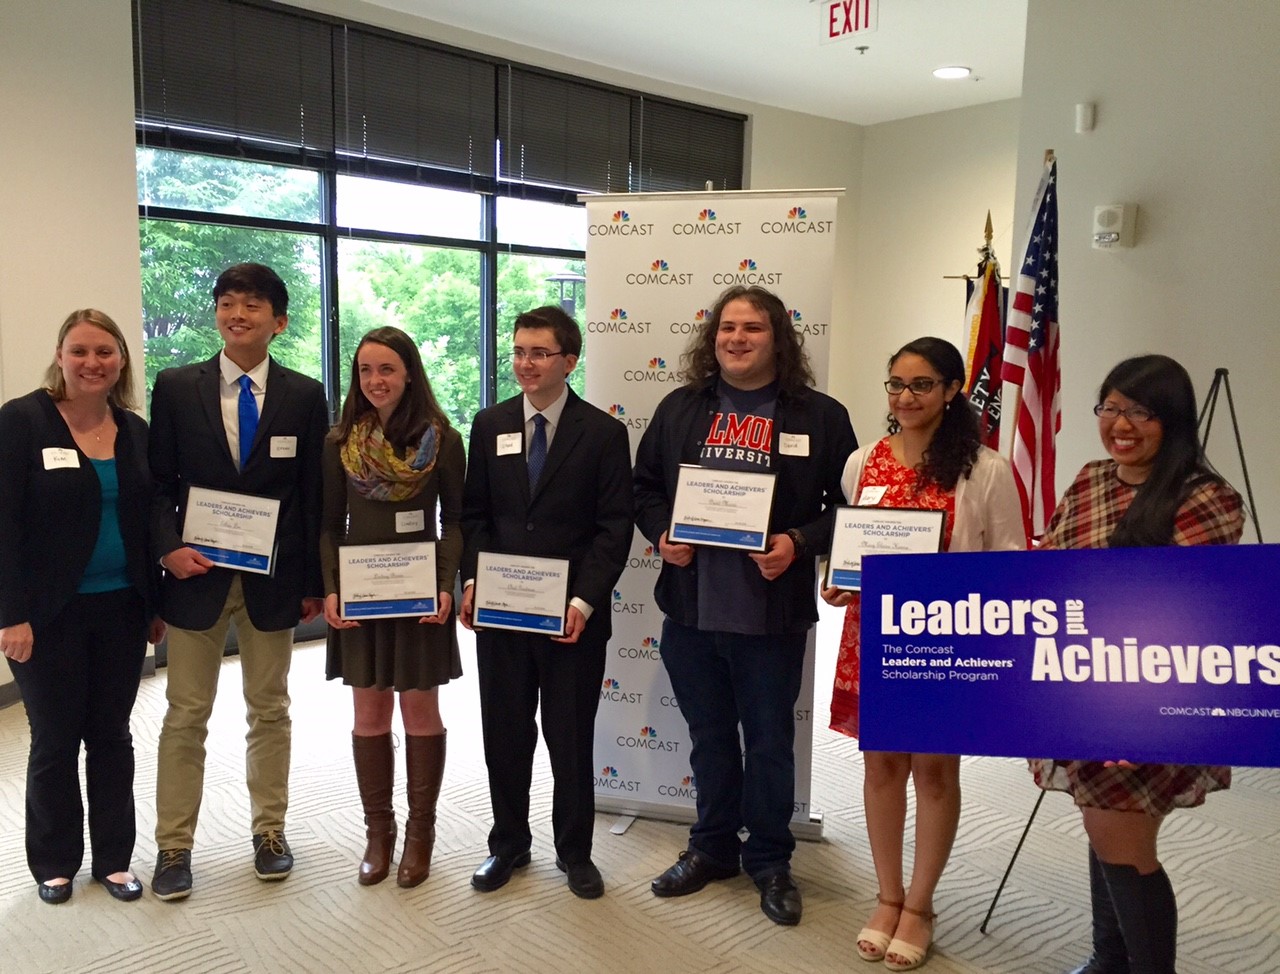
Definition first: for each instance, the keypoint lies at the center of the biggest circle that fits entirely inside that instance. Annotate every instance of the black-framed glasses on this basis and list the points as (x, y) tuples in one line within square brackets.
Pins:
[(535, 355), (1134, 413), (918, 387)]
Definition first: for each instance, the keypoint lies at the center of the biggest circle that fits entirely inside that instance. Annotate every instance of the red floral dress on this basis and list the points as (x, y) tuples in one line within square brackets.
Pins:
[(881, 469)]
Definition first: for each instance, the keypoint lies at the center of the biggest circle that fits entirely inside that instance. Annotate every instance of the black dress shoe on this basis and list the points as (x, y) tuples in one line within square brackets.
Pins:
[(780, 898), (495, 872), (172, 878), (54, 894), (272, 857), (690, 873), (585, 880), (130, 889)]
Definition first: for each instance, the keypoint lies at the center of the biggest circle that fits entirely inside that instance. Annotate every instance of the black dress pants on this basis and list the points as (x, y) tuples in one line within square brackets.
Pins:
[(519, 675), (79, 685)]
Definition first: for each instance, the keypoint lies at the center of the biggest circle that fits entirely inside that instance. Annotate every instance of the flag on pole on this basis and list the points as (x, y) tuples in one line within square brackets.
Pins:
[(984, 321), (1031, 359)]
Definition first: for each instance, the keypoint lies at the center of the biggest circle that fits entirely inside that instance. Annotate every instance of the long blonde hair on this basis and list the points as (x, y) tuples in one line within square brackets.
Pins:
[(121, 394)]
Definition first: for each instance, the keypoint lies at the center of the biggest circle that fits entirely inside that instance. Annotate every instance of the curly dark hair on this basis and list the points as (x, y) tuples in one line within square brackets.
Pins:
[(417, 408), (953, 449), (1163, 386), (795, 376)]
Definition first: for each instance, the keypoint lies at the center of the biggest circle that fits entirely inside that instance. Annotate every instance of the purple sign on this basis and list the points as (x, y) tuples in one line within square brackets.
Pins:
[(1145, 654)]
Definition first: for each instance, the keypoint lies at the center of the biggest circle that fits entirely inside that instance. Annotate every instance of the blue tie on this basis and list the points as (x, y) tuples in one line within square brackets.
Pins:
[(537, 449), (248, 409)]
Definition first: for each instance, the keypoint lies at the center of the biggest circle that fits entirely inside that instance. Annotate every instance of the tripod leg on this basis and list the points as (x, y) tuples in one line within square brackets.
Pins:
[(1005, 878)]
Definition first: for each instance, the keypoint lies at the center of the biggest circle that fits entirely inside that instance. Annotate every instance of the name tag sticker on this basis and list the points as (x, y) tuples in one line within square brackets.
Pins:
[(509, 443), (870, 496), (284, 446), (407, 521), (56, 457), (793, 444)]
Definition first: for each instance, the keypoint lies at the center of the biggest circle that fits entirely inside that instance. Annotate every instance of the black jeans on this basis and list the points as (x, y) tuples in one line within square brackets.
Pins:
[(79, 685)]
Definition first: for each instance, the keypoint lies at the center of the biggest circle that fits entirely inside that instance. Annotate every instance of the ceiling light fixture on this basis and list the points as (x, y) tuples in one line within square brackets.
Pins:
[(951, 72)]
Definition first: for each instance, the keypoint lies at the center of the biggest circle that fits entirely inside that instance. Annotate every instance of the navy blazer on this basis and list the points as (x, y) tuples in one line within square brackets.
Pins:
[(49, 518), (581, 509), (189, 448)]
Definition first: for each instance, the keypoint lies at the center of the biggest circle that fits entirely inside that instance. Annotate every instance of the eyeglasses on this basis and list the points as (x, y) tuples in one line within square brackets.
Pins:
[(535, 355), (1134, 414), (918, 387)]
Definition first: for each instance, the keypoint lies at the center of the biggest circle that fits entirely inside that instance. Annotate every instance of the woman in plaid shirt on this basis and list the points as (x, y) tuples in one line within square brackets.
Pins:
[(1157, 488)]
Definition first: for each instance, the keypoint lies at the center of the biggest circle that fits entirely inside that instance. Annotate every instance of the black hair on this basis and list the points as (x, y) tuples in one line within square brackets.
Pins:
[(1164, 387), (953, 448), (255, 280)]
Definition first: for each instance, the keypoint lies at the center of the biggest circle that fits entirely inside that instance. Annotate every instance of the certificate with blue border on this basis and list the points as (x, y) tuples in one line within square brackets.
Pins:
[(387, 581), (232, 530), (520, 592), (722, 508), (859, 531), (1164, 655)]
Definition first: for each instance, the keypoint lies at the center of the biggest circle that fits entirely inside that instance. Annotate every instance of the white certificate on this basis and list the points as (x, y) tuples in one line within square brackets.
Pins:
[(725, 508), (521, 592), (387, 581), (232, 530), (863, 531)]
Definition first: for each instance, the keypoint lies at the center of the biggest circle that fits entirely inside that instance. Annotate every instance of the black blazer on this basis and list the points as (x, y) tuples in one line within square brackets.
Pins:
[(581, 509), (189, 448), (49, 519), (806, 492)]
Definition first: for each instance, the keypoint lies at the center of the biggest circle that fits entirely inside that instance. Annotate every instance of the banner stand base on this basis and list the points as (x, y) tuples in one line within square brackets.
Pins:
[(809, 830)]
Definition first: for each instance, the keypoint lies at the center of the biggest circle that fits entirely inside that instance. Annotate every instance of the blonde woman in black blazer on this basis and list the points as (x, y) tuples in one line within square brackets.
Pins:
[(77, 597)]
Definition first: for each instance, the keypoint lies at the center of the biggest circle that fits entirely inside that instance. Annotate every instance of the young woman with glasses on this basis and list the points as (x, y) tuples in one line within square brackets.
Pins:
[(1156, 489), (932, 459)]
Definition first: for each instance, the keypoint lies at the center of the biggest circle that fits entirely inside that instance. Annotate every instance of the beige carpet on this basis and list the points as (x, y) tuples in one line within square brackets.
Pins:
[(1224, 860)]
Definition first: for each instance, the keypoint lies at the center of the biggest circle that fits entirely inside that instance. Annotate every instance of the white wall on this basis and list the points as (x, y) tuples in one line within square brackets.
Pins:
[(1187, 128), (927, 184), (68, 208)]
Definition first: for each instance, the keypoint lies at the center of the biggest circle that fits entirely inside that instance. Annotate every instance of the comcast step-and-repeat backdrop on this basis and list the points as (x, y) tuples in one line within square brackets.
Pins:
[(655, 266)]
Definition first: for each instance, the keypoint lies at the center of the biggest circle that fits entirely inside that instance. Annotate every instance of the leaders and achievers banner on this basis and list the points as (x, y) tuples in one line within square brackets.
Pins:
[(656, 263), (1143, 654)]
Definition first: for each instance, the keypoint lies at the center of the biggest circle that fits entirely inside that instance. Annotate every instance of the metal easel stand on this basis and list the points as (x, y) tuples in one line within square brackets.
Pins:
[(1008, 869), (1221, 380)]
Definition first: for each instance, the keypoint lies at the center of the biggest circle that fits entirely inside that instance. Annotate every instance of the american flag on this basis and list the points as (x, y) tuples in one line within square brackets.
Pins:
[(1031, 360)]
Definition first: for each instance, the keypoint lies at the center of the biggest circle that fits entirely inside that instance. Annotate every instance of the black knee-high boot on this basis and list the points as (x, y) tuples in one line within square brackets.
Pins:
[(1109, 955), (1148, 914)]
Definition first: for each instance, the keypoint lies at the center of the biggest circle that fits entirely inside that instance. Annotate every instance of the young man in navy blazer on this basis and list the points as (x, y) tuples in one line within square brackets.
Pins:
[(239, 422), (577, 507)]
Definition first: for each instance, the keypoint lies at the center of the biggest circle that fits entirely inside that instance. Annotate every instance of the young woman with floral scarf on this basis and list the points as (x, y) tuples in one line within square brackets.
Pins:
[(390, 460)]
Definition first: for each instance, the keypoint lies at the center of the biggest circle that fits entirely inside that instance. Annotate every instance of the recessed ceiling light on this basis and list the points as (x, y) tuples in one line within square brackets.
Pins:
[(951, 72)]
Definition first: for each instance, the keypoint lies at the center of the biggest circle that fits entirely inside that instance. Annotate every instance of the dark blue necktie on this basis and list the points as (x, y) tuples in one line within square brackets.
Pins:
[(248, 409), (537, 449)]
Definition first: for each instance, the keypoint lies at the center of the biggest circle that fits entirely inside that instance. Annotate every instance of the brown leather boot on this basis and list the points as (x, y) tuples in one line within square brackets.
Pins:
[(424, 762), (375, 773)]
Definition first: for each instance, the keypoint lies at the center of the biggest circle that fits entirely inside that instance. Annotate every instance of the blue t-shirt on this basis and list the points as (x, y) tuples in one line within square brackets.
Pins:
[(731, 590), (106, 569)]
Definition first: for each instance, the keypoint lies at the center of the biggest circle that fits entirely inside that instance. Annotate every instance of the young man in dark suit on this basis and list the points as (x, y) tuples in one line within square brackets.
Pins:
[(239, 422), (548, 475)]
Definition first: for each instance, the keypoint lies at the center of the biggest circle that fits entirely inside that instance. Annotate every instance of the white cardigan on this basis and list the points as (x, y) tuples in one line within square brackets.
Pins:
[(988, 509)]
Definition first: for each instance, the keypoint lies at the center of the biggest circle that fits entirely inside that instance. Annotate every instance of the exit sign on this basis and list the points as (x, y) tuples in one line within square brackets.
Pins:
[(842, 19)]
